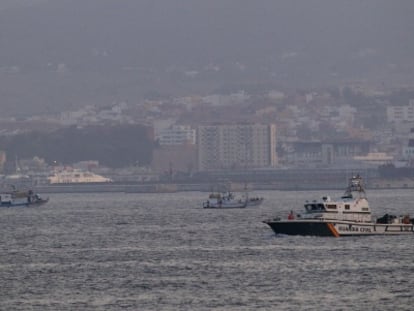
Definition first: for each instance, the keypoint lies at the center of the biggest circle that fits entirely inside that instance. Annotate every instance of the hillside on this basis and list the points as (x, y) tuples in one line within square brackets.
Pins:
[(115, 146)]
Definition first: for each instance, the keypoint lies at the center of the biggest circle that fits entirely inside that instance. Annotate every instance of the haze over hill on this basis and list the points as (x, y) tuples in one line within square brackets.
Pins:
[(62, 54)]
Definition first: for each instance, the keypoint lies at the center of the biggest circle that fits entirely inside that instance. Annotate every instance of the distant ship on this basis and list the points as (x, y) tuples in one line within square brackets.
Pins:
[(76, 176)]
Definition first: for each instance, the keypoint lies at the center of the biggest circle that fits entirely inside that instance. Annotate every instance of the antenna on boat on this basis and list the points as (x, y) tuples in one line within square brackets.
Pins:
[(355, 184)]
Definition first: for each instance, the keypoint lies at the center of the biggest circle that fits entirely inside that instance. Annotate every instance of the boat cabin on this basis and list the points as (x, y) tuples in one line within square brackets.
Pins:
[(352, 206)]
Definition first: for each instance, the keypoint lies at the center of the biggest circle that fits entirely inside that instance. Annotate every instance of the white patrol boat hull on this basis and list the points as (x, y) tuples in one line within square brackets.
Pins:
[(336, 228)]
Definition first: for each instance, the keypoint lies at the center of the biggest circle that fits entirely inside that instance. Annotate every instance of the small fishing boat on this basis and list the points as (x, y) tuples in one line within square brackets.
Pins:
[(224, 200), (350, 215), (21, 198)]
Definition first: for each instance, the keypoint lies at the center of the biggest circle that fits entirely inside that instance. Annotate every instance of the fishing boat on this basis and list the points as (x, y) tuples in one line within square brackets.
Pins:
[(17, 198), (350, 215), (224, 200)]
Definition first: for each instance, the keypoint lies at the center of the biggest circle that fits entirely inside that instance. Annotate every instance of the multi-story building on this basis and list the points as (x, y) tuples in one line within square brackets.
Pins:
[(236, 146), (176, 135), (177, 150)]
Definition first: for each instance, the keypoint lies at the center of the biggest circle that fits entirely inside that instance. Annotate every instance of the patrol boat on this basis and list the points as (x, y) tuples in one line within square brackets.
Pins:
[(350, 215)]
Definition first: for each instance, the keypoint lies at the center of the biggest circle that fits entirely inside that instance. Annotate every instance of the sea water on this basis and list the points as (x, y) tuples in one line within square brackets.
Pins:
[(127, 251)]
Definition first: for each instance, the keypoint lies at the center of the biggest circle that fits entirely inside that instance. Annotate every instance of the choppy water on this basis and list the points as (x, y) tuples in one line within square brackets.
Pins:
[(164, 252)]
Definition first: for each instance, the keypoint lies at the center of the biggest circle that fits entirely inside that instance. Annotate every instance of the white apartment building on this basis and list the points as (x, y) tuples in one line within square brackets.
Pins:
[(236, 146), (400, 114), (176, 135)]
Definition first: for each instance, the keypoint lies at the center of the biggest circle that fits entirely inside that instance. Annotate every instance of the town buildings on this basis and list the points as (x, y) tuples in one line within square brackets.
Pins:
[(194, 134), (399, 114)]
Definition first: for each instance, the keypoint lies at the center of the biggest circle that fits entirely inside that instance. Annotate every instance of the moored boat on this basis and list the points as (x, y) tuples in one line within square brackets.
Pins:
[(350, 215)]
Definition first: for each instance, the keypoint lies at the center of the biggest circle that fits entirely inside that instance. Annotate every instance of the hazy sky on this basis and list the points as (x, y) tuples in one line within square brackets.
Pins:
[(178, 30), (293, 39)]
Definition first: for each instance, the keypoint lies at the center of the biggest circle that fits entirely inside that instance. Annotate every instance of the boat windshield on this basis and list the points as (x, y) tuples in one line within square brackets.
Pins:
[(314, 207)]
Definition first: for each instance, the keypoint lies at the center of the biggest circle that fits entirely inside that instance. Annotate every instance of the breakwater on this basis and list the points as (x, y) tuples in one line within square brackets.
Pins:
[(211, 186)]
